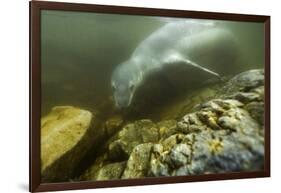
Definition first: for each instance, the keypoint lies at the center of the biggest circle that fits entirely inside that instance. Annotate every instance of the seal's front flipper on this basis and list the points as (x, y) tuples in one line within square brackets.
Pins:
[(175, 58), (189, 62)]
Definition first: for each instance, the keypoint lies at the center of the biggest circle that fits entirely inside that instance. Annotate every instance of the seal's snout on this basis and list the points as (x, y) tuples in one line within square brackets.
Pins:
[(122, 104), (122, 97)]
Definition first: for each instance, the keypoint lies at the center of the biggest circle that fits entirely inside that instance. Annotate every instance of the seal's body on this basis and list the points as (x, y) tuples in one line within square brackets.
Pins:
[(188, 43)]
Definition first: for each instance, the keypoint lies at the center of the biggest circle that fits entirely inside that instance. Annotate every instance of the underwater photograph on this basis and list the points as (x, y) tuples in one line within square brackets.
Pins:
[(134, 96)]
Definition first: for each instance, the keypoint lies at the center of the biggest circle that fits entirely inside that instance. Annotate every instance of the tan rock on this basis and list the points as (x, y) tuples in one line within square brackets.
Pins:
[(63, 135)]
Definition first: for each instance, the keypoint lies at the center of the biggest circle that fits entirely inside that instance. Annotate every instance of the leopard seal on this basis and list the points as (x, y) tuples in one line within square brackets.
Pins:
[(180, 42)]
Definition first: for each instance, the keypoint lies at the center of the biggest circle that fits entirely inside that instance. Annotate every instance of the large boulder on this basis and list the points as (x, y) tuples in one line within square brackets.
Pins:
[(65, 138)]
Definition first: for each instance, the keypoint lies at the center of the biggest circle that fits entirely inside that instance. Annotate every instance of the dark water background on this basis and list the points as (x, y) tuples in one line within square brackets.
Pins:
[(80, 51)]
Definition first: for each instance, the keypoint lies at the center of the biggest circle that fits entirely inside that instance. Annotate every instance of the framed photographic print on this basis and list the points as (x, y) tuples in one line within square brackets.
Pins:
[(123, 96)]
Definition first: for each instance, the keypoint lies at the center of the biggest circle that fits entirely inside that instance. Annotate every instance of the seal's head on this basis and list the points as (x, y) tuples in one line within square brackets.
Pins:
[(124, 82)]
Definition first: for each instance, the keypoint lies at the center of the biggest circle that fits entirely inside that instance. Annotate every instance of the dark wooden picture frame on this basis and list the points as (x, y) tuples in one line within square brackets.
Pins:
[(35, 94)]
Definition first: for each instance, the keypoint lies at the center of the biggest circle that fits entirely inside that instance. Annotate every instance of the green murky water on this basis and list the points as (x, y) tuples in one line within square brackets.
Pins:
[(80, 51)]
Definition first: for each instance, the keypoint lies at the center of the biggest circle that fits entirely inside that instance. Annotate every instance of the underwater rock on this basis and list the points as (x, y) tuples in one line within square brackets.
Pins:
[(91, 172), (113, 124), (131, 135), (245, 81), (65, 138), (234, 144), (256, 110), (120, 146), (138, 162), (180, 155), (222, 133), (157, 165), (167, 128), (111, 171), (100, 171)]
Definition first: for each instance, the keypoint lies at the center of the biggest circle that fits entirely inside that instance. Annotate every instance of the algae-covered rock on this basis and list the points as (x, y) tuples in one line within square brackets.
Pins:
[(222, 135), (138, 162), (234, 144), (120, 147), (113, 124), (65, 138), (245, 81), (216, 134), (111, 171), (180, 155), (131, 135)]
